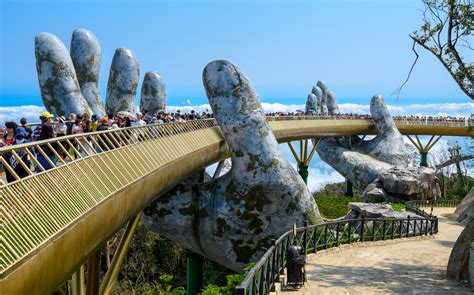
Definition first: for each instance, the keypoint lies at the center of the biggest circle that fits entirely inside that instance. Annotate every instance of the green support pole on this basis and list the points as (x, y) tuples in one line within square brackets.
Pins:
[(303, 171), (193, 273), (349, 190), (424, 159)]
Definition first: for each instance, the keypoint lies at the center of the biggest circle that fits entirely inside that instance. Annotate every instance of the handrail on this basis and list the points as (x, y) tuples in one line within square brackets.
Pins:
[(262, 277)]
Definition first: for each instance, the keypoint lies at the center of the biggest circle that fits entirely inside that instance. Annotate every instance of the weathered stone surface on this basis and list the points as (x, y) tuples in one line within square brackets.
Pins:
[(458, 265), (465, 211), (60, 89), (319, 95), (368, 210), (153, 95), (384, 159), (328, 101), (232, 219), (86, 56), (123, 82), (311, 104)]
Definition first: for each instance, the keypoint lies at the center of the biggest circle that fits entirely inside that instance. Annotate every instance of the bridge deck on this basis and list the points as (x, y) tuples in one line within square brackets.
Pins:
[(53, 220)]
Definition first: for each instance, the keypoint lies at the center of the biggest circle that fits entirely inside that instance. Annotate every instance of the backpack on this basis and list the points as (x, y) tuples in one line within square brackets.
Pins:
[(37, 133)]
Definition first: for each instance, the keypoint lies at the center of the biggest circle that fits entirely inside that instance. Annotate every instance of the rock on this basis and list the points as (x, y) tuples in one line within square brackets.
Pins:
[(232, 219), (384, 159), (153, 95), (458, 265), (465, 211), (374, 193), (370, 210), (123, 82), (86, 56), (57, 79)]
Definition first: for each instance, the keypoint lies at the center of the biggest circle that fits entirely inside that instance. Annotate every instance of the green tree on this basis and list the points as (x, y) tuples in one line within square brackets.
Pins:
[(446, 32)]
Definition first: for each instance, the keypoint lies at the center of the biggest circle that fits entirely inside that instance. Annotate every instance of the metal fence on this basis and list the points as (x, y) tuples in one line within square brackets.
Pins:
[(313, 238)]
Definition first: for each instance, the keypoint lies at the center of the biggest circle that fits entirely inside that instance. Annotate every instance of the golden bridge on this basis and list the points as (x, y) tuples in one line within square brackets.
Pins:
[(56, 220)]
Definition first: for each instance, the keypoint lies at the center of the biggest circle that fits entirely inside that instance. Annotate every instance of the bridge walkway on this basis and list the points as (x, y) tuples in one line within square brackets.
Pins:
[(412, 266)]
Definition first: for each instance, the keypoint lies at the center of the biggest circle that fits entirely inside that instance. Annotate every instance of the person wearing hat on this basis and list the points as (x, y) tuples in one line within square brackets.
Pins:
[(60, 129), (103, 124), (45, 118), (20, 137)]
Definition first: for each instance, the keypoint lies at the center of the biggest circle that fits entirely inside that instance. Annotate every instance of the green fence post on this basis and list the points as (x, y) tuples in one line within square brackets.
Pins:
[(193, 273)]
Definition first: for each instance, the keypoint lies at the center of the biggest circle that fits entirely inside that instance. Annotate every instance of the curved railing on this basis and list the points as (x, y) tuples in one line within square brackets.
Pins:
[(262, 277)]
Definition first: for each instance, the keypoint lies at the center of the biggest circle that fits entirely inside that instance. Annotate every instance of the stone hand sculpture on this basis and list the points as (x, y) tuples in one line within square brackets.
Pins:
[(381, 166), (321, 101), (69, 82), (153, 95), (232, 219)]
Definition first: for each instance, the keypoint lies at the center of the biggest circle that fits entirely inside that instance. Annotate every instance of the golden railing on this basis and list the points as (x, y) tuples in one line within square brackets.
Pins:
[(41, 204)]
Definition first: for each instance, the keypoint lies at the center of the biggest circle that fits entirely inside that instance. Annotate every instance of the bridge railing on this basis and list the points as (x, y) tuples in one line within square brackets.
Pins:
[(399, 121), (43, 197), (23, 160), (262, 277)]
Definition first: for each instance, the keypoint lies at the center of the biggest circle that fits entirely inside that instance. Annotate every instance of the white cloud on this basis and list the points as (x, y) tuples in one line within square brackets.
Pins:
[(30, 112)]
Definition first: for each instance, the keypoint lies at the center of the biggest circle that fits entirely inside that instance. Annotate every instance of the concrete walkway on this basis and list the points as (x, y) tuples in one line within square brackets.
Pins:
[(410, 266)]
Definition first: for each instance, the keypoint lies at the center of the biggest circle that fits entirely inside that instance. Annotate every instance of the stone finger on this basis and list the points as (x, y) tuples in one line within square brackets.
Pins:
[(57, 79)]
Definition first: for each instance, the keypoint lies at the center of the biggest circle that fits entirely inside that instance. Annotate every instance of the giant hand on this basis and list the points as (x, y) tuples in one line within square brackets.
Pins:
[(69, 82), (232, 219), (380, 166)]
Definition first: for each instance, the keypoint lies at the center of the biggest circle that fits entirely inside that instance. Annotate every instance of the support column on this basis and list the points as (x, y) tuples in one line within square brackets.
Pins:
[(349, 192), (303, 172), (114, 269), (424, 149), (424, 159), (93, 273), (304, 158), (193, 273), (77, 282)]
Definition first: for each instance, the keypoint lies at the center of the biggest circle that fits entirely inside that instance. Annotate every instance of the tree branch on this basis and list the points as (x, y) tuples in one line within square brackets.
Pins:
[(399, 89), (440, 58)]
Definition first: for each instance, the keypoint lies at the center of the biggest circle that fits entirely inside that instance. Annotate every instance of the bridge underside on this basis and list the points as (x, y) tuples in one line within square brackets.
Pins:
[(126, 180)]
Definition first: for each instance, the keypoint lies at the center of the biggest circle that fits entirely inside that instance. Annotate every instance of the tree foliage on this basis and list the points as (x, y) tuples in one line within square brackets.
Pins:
[(446, 32)]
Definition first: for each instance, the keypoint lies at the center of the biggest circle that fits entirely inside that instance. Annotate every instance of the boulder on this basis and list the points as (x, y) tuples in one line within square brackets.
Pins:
[(465, 211), (458, 265)]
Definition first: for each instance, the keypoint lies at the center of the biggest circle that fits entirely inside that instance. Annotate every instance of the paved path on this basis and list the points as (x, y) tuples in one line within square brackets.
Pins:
[(414, 266)]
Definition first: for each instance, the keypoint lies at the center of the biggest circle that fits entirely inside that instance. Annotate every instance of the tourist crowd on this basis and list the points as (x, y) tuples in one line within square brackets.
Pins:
[(14, 133)]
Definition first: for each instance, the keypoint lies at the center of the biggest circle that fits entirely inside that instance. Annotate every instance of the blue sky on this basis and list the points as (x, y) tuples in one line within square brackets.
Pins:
[(359, 48)]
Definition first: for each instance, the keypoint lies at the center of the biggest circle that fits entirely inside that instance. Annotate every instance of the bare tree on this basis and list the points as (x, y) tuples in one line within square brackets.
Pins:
[(445, 32)]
